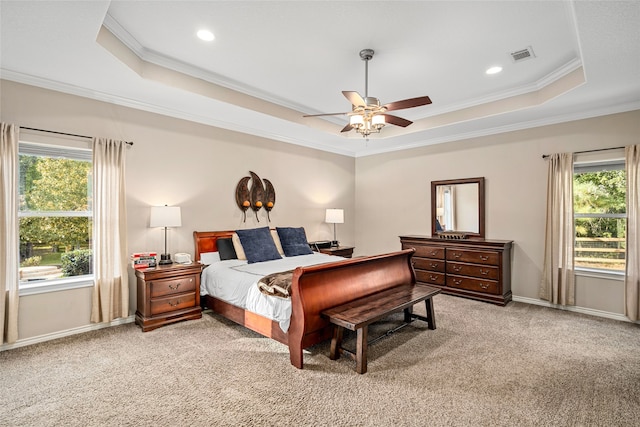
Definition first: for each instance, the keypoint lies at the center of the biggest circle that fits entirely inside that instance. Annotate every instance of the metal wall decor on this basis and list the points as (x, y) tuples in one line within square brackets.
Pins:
[(258, 196)]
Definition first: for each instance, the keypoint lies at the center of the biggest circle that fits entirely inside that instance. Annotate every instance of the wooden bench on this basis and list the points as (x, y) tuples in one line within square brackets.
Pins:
[(356, 316)]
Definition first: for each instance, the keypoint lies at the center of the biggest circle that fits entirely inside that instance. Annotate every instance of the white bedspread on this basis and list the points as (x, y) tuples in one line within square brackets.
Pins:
[(235, 282)]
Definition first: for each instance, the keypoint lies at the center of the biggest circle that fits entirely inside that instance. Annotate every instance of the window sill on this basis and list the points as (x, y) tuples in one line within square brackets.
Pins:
[(47, 286), (600, 274)]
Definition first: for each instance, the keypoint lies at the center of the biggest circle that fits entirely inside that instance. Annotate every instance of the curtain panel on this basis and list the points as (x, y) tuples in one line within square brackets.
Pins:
[(111, 286), (632, 276), (9, 240), (558, 278)]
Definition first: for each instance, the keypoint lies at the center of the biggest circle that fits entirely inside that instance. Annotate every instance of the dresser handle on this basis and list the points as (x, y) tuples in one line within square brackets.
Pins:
[(174, 305), (484, 286), (457, 254), (457, 268), (457, 281), (434, 253), (484, 272), (433, 265), (484, 257), (176, 288), (433, 278)]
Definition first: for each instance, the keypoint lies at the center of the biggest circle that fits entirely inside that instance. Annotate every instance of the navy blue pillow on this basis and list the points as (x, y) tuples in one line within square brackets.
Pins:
[(226, 249), (293, 241), (258, 245)]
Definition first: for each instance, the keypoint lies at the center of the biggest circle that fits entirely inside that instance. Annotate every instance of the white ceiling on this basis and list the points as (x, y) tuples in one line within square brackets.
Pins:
[(273, 61)]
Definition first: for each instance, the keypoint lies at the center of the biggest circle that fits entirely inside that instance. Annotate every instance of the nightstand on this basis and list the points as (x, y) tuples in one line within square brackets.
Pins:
[(168, 294), (343, 251)]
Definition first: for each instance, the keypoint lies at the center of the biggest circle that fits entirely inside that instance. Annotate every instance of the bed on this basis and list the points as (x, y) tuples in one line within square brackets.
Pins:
[(313, 289)]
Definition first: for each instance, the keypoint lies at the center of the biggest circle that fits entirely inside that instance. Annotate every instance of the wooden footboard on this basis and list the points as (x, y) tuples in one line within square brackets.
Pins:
[(314, 289)]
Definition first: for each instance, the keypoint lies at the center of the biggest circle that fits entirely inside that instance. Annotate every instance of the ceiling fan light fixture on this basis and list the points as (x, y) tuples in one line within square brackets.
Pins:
[(356, 121)]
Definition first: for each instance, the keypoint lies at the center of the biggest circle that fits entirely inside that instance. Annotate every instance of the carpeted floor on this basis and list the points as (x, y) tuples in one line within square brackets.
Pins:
[(519, 365)]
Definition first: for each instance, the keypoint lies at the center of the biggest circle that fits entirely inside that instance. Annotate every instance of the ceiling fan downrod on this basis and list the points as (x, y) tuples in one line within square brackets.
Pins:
[(366, 55)]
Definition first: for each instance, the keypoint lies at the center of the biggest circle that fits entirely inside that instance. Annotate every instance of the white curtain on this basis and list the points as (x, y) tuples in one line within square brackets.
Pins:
[(558, 279), (632, 276), (111, 288), (9, 246)]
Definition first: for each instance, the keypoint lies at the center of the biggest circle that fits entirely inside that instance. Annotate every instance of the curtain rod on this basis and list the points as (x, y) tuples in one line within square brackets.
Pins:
[(544, 156), (67, 134)]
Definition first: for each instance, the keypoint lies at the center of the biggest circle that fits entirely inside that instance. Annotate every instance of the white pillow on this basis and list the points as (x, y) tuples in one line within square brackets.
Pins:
[(237, 246), (207, 258)]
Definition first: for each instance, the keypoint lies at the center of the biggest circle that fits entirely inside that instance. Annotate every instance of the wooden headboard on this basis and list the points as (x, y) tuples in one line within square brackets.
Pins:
[(206, 241)]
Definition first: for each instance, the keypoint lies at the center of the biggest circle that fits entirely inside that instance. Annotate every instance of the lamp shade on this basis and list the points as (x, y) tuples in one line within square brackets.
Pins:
[(334, 216), (165, 216)]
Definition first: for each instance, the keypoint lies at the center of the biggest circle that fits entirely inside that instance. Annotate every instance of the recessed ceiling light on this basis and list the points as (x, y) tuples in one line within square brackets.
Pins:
[(205, 35), (494, 70)]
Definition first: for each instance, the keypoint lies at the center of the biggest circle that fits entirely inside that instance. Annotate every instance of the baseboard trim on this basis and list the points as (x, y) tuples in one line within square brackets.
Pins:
[(582, 310), (67, 332)]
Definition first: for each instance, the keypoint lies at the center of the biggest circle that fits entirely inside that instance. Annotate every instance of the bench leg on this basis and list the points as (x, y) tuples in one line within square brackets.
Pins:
[(336, 342), (431, 317), (407, 314), (361, 350)]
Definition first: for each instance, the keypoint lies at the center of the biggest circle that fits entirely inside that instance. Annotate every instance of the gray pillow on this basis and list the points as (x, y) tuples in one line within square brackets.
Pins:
[(226, 250), (294, 241), (258, 245)]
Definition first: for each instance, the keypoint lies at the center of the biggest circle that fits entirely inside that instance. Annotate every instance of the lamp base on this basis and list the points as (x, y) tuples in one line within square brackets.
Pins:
[(165, 259), (335, 243)]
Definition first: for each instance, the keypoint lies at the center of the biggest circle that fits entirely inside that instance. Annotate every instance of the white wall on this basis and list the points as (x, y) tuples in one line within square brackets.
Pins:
[(393, 193), (181, 163)]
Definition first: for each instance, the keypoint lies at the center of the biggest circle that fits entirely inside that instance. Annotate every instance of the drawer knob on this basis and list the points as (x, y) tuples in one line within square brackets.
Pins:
[(484, 285), (484, 257), (433, 265), (457, 254), (457, 268), (457, 281), (174, 287), (434, 253), (172, 304), (433, 278), (484, 272)]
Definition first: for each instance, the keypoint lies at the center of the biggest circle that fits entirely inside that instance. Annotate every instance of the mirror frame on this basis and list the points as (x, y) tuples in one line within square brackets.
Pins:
[(480, 182)]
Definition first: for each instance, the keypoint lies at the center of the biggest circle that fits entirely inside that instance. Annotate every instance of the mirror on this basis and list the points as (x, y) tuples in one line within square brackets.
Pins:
[(457, 205)]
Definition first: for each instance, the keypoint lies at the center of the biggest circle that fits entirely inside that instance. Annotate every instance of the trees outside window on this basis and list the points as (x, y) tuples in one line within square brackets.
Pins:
[(54, 212), (599, 192)]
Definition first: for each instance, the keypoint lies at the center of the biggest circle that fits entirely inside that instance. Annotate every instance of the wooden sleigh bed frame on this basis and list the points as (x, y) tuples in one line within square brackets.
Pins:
[(314, 289)]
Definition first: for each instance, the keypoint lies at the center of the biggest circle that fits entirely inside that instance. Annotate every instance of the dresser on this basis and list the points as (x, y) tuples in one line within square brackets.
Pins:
[(474, 268), (168, 294)]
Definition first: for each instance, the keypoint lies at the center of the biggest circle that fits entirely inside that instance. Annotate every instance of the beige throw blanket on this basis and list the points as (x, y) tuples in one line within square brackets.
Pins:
[(276, 284)]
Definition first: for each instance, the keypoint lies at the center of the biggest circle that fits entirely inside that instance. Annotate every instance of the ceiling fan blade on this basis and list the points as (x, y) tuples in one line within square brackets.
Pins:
[(326, 114), (354, 98), (347, 128), (408, 103), (395, 120)]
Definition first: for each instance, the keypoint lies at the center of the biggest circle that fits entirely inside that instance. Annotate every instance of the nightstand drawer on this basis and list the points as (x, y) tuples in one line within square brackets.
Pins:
[(173, 303), (164, 287)]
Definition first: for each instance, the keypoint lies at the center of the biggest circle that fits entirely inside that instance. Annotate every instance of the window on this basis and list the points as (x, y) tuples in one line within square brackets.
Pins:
[(599, 193), (54, 213)]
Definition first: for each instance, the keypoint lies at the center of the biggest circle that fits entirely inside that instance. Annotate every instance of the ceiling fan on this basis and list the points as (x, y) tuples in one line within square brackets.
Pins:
[(367, 115)]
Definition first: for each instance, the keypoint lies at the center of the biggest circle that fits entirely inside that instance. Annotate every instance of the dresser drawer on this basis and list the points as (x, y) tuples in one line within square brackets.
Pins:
[(425, 251), (173, 303), (431, 277), (473, 270), (479, 257), (172, 286), (428, 264), (471, 284)]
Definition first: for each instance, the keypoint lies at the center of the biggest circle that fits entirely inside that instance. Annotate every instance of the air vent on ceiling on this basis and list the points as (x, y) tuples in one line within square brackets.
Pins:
[(523, 54)]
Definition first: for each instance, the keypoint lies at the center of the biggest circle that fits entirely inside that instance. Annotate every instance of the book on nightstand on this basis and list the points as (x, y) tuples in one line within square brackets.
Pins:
[(141, 260)]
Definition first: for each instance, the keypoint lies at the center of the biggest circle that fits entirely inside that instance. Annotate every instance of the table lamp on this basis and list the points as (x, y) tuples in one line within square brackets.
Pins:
[(334, 216), (165, 216)]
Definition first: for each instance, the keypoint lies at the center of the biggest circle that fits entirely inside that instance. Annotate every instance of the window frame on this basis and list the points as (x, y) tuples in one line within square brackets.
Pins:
[(56, 147), (585, 164)]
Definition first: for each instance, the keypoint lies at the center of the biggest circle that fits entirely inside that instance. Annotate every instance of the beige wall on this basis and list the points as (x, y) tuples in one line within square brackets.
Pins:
[(181, 163), (393, 193)]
